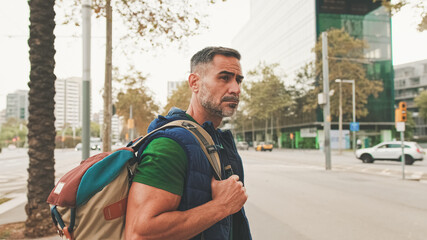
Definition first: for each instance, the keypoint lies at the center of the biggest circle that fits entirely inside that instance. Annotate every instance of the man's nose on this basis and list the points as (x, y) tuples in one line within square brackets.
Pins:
[(234, 88)]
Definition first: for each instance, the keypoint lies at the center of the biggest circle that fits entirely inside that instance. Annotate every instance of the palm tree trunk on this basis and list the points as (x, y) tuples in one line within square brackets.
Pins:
[(41, 127)]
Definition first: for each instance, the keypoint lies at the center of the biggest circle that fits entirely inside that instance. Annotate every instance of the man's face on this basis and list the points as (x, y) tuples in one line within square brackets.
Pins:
[(220, 86)]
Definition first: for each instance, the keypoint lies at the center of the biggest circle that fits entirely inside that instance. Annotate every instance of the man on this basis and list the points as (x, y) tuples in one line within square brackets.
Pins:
[(174, 194)]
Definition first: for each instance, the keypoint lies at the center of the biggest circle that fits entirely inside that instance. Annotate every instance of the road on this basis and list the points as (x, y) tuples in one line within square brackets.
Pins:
[(292, 196), (14, 164)]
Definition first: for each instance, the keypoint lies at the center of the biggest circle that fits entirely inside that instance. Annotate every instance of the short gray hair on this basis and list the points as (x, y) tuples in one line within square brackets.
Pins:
[(207, 54)]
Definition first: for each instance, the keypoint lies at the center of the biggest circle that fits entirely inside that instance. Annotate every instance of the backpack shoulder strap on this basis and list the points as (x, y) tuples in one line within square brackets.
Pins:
[(205, 140)]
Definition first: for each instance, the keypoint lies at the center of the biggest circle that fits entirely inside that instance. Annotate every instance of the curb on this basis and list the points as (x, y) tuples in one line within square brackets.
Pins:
[(16, 200), (414, 176)]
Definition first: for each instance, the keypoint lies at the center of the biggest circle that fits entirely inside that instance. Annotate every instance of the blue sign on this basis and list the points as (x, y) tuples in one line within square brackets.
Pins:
[(354, 126)]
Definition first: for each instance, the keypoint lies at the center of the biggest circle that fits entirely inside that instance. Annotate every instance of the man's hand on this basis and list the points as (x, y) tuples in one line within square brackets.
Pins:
[(230, 192)]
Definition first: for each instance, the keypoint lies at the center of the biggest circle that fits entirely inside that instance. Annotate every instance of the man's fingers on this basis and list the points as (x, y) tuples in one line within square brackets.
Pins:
[(235, 177)]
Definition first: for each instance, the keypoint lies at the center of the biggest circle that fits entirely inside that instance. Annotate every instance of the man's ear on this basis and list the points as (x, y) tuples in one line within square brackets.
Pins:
[(194, 82)]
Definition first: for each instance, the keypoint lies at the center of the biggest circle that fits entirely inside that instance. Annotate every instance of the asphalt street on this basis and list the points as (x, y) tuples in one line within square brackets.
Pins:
[(291, 195)]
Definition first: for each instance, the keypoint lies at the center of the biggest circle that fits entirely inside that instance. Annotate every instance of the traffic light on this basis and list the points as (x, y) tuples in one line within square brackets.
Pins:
[(402, 107), (400, 113)]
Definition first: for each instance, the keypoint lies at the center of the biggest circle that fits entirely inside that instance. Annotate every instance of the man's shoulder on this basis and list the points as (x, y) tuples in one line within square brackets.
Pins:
[(163, 143)]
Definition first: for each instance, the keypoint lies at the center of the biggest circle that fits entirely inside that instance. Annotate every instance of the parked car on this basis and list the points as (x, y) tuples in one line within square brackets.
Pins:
[(78, 147), (262, 146), (242, 145), (391, 151), (95, 145)]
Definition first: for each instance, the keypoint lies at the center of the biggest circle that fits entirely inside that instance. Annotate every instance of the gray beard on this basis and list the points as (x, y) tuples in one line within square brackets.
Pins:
[(217, 110)]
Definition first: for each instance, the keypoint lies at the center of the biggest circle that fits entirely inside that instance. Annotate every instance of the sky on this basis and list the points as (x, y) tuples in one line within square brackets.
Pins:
[(162, 65)]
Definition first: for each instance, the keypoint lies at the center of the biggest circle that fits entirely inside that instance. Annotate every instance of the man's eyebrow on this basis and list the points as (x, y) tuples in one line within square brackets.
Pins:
[(231, 73)]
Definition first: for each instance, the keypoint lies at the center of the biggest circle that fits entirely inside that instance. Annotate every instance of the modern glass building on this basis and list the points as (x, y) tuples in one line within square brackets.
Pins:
[(285, 32)]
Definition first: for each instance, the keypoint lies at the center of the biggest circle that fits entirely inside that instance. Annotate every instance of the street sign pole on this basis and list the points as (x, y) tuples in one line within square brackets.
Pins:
[(400, 127), (402, 135), (326, 108)]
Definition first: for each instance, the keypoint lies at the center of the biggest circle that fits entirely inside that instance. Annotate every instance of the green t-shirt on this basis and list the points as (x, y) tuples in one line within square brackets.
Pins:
[(163, 166)]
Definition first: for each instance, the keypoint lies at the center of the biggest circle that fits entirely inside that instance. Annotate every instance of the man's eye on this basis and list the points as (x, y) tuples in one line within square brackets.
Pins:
[(225, 77)]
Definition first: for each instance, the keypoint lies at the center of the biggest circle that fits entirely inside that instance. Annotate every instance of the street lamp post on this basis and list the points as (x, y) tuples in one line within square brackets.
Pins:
[(86, 36), (326, 105), (340, 118), (354, 111)]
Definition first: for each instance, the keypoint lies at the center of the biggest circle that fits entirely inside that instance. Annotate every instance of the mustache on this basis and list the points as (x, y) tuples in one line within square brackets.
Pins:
[(230, 99)]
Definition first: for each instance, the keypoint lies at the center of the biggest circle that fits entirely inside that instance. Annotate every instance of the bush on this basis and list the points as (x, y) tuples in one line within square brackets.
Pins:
[(69, 142)]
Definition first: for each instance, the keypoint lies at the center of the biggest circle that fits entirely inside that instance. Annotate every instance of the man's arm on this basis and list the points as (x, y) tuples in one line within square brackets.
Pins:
[(151, 212)]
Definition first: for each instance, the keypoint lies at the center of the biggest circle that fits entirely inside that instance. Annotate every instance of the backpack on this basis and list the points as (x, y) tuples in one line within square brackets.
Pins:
[(89, 201)]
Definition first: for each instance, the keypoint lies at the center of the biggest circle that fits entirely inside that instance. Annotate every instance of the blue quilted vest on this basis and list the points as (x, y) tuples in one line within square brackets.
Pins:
[(197, 188)]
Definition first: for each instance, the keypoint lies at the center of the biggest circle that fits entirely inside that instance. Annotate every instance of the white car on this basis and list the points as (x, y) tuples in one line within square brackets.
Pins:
[(391, 151), (242, 146), (78, 147)]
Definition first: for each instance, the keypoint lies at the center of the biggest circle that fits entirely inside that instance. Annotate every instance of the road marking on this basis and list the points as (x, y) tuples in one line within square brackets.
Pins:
[(416, 175), (385, 172)]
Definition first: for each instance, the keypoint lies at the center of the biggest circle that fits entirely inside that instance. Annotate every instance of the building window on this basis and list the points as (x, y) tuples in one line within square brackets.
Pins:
[(415, 81)]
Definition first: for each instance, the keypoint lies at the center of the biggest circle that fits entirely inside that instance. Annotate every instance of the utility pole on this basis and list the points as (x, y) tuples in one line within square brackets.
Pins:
[(340, 121), (106, 139), (86, 33), (326, 108), (272, 130), (354, 111), (253, 133), (353, 85), (65, 114), (243, 130)]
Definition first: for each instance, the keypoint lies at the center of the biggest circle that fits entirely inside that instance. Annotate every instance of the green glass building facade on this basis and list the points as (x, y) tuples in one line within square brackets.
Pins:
[(364, 19), (285, 32)]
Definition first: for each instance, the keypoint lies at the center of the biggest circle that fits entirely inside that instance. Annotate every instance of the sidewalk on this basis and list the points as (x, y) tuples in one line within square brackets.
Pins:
[(13, 211)]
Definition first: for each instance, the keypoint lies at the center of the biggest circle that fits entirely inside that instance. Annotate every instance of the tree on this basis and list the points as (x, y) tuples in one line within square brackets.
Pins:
[(13, 131), (180, 98), (156, 22), (41, 120), (264, 94), (419, 5), (150, 23), (345, 62), (409, 126), (136, 94), (302, 93), (421, 102)]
